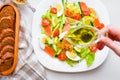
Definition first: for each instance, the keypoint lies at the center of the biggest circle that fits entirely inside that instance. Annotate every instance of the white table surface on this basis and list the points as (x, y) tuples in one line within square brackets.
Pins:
[(110, 69)]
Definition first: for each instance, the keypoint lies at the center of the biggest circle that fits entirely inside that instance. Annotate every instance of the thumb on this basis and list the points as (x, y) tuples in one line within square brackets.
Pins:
[(111, 44)]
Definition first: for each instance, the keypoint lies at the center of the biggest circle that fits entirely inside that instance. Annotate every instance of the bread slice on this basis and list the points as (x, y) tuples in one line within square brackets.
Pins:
[(5, 49), (7, 33), (7, 65), (7, 11), (6, 23), (8, 41)]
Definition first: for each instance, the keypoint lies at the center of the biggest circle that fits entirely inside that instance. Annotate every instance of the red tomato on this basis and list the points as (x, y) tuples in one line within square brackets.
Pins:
[(50, 51), (77, 16), (98, 24), (53, 10), (62, 56), (101, 25), (93, 48), (45, 22), (56, 33)]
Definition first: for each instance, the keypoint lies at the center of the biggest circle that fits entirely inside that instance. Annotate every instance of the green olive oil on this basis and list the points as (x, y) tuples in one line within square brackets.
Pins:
[(81, 36)]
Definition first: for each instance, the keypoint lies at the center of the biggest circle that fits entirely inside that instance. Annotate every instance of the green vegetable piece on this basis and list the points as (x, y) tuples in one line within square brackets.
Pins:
[(84, 52), (54, 47), (64, 3), (90, 59), (70, 62), (59, 50), (80, 7)]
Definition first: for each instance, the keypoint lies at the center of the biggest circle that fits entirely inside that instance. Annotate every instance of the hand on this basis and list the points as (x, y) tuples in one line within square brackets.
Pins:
[(113, 35)]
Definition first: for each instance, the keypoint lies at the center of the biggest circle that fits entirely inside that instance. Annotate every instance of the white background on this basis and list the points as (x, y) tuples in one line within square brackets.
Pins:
[(110, 69)]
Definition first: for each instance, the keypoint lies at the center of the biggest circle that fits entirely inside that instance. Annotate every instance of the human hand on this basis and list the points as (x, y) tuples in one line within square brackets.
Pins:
[(113, 35)]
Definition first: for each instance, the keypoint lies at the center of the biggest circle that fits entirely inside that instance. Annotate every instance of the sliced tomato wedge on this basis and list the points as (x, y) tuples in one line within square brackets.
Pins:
[(62, 56), (101, 25), (45, 22), (56, 33), (93, 48), (98, 24), (53, 10)]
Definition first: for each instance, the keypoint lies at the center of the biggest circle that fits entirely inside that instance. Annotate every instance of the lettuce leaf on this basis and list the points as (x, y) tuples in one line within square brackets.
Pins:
[(70, 62), (90, 59)]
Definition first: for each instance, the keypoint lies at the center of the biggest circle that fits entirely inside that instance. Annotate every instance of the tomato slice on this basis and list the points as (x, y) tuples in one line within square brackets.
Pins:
[(62, 56), (98, 24), (101, 25), (56, 33), (50, 51), (93, 48), (45, 22), (53, 10)]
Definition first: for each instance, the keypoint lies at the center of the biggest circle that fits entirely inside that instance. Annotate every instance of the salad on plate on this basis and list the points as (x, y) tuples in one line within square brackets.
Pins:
[(66, 24)]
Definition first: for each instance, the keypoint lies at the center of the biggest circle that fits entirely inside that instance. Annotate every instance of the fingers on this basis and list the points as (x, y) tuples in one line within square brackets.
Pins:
[(111, 44), (100, 45), (113, 32)]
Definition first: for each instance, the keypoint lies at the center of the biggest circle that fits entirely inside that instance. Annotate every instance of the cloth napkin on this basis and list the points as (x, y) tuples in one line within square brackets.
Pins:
[(28, 67)]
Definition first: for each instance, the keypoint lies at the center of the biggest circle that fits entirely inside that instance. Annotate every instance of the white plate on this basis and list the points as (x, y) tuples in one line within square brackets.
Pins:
[(55, 64)]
